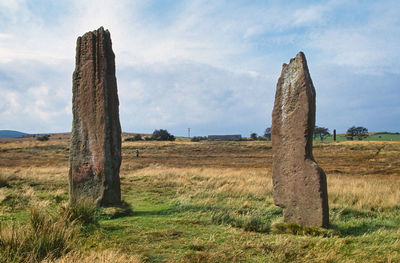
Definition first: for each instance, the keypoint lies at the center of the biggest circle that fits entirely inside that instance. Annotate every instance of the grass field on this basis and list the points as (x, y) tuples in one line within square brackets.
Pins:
[(373, 136), (200, 202), (383, 137)]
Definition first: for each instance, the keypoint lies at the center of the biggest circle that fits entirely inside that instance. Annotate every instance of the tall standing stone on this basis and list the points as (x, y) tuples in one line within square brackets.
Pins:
[(95, 152), (299, 183)]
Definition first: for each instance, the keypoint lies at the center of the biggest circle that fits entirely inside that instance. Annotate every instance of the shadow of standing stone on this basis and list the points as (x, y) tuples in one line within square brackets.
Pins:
[(95, 152), (299, 183)]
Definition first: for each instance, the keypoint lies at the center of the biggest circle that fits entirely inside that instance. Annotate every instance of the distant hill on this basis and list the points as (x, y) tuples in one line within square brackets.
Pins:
[(11, 134)]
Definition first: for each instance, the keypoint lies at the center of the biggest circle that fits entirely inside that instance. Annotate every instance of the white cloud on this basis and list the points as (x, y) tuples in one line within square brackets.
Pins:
[(11, 103), (199, 63), (310, 14), (180, 95), (368, 45)]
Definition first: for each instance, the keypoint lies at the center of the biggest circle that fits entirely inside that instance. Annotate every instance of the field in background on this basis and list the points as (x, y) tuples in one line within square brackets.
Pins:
[(212, 202), (373, 136)]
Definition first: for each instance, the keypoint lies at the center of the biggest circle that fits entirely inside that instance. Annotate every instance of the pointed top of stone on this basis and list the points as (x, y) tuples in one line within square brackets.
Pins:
[(300, 61), (98, 32), (100, 29), (300, 57)]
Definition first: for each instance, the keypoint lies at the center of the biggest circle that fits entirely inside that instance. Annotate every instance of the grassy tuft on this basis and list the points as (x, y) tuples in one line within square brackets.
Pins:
[(4, 180), (83, 212), (44, 237), (200, 202), (247, 222), (112, 212), (104, 256)]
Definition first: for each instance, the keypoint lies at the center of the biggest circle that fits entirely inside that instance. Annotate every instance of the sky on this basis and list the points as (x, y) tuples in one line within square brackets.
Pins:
[(211, 66)]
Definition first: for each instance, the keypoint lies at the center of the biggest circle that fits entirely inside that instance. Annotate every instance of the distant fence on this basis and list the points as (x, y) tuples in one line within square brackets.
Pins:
[(235, 137)]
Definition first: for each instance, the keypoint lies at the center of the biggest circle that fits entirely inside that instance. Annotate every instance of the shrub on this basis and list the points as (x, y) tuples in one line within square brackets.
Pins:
[(198, 138), (162, 135), (253, 136), (137, 137), (43, 138)]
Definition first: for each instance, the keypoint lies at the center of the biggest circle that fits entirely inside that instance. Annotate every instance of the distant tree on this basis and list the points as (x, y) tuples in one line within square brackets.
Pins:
[(356, 132), (137, 137), (198, 138), (162, 135), (253, 136), (322, 132), (267, 133), (43, 138)]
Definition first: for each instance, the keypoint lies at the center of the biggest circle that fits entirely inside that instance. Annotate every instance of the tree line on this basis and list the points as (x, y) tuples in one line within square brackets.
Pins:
[(157, 135), (354, 132)]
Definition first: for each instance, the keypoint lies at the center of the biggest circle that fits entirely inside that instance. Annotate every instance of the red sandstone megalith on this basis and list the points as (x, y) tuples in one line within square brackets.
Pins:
[(299, 184), (95, 152)]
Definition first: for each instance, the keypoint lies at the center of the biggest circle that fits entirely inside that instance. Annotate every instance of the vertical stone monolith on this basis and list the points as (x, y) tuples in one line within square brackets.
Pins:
[(299, 183), (95, 152)]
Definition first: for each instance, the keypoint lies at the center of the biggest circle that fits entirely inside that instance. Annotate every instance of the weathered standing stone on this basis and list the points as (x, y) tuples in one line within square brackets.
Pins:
[(299, 184), (95, 152)]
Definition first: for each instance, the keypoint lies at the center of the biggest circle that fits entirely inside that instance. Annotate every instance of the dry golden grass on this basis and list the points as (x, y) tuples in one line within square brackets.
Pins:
[(175, 188), (366, 192), (362, 192), (47, 173), (360, 173), (237, 182), (103, 256)]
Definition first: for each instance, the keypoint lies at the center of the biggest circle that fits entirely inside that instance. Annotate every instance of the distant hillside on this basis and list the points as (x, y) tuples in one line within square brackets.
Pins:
[(11, 134)]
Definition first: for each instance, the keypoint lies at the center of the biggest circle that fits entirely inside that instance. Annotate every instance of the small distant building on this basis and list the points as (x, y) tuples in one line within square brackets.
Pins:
[(235, 137)]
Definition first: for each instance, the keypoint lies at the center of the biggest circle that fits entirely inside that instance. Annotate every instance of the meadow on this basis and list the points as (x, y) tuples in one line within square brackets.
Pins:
[(198, 202)]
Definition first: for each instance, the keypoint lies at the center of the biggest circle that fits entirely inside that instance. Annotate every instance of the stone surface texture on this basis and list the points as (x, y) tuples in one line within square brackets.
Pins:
[(95, 152), (299, 184)]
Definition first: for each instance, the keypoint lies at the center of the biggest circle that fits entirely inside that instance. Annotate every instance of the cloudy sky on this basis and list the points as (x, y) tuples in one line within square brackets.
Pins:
[(208, 65)]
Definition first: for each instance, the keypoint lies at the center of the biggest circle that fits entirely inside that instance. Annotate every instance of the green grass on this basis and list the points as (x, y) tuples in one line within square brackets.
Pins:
[(339, 138), (373, 137), (217, 214), (44, 236), (171, 222), (163, 228), (167, 225), (383, 137)]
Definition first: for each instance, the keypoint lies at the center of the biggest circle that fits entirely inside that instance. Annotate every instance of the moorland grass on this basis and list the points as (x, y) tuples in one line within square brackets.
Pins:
[(44, 236), (212, 202)]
